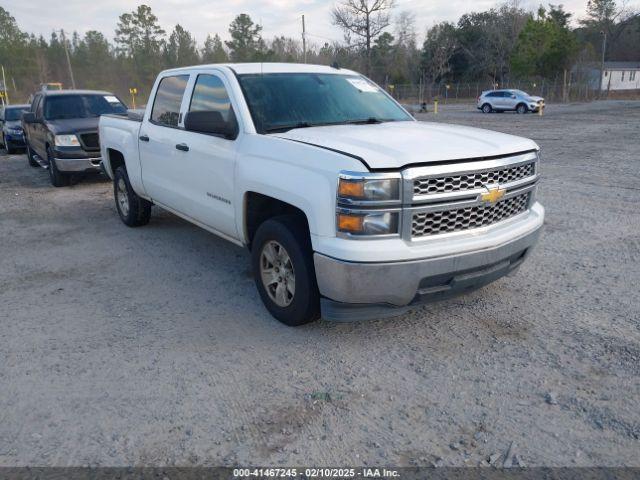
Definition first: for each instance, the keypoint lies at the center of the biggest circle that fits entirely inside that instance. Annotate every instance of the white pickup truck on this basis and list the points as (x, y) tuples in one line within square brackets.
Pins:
[(351, 208)]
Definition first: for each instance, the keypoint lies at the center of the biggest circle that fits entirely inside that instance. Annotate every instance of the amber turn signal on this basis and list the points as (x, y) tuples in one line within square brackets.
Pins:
[(351, 188), (350, 223)]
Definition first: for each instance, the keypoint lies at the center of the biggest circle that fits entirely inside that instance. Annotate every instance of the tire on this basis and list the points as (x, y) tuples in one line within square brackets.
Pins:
[(58, 178), (487, 108), (10, 150), (30, 157), (3, 143), (292, 260), (133, 210), (522, 109)]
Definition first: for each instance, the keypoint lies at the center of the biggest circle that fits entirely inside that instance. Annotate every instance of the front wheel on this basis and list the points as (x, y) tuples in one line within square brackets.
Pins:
[(521, 109), (134, 211), (31, 158), (58, 179), (282, 261), (486, 108)]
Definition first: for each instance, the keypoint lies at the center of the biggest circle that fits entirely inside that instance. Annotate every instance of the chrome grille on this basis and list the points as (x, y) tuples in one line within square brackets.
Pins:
[(471, 181), (434, 223)]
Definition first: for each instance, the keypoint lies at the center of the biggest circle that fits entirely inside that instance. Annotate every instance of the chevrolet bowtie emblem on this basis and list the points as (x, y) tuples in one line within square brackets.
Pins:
[(493, 195)]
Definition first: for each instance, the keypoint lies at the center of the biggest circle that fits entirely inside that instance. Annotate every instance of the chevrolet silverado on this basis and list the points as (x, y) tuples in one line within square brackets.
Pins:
[(350, 207)]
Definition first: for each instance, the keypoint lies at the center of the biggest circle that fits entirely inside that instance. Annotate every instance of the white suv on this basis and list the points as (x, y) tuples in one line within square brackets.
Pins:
[(502, 100)]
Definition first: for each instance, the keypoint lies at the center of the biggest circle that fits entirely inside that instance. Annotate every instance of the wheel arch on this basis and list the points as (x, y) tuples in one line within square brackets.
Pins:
[(115, 159), (258, 207)]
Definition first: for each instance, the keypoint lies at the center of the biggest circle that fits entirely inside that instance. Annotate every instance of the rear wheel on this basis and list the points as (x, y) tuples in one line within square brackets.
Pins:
[(521, 108), (134, 211), (486, 108), (282, 262), (58, 178)]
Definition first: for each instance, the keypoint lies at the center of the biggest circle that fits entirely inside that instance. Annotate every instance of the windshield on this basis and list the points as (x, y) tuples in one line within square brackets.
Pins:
[(282, 101), (81, 106), (12, 114)]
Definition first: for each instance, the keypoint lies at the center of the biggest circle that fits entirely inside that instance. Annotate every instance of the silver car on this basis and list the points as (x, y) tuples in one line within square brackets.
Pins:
[(503, 100)]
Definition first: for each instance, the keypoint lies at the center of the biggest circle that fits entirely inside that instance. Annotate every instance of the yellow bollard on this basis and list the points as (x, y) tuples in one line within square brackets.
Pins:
[(133, 92), (435, 107), (540, 110)]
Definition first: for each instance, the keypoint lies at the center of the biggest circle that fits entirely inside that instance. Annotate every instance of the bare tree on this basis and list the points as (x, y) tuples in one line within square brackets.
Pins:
[(365, 19)]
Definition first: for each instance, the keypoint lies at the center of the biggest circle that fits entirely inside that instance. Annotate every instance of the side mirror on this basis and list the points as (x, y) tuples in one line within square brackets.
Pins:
[(29, 117), (212, 123)]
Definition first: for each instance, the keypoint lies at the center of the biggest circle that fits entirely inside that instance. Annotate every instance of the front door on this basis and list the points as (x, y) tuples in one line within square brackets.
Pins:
[(207, 160)]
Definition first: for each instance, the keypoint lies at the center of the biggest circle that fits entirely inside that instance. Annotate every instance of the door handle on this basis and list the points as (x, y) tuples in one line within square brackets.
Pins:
[(144, 138), (183, 146)]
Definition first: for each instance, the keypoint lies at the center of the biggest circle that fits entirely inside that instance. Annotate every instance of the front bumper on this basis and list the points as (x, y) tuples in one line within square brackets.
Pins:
[(358, 291), (79, 164)]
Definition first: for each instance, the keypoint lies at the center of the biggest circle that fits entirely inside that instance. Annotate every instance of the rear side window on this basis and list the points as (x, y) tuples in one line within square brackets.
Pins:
[(166, 106), (495, 94)]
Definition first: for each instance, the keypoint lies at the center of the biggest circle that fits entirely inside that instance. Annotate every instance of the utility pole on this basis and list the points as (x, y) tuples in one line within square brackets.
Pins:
[(604, 49), (304, 41), (66, 51), (4, 86)]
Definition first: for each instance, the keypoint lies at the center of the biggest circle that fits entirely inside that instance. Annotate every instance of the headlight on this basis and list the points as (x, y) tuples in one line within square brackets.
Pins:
[(368, 204), (67, 141), (14, 131), (368, 223), (354, 188)]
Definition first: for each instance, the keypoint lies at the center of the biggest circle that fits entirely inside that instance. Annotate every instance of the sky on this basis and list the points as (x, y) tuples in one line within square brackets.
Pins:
[(201, 17)]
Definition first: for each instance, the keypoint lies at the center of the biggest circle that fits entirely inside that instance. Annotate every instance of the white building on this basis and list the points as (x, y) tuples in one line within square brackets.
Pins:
[(621, 76)]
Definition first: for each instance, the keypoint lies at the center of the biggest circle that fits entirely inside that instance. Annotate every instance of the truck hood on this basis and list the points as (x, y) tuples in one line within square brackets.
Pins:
[(398, 144), (73, 125)]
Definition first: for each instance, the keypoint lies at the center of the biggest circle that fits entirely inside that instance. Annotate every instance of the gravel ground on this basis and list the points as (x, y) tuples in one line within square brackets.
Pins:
[(150, 346)]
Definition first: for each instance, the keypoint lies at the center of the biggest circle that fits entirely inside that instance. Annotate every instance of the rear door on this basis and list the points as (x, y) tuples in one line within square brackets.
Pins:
[(159, 159), (38, 133), (510, 100), (29, 127)]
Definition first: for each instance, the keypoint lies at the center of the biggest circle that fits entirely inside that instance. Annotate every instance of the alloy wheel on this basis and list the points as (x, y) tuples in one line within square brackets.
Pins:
[(277, 273), (123, 197)]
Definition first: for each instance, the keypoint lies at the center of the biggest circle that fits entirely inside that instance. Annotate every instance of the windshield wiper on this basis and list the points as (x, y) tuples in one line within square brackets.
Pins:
[(359, 121), (286, 128), (367, 121)]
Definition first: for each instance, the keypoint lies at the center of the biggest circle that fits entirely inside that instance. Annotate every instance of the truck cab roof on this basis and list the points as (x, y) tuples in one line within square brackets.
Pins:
[(257, 67), (54, 93)]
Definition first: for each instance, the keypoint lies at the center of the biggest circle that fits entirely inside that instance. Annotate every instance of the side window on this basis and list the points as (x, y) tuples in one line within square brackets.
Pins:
[(34, 104), (166, 105), (39, 107), (210, 95)]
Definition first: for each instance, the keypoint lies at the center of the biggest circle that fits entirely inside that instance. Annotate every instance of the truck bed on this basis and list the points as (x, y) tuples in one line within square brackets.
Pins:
[(135, 115)]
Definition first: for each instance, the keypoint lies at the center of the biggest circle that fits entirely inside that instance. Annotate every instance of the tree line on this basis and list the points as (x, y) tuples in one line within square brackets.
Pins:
[(497, 44)]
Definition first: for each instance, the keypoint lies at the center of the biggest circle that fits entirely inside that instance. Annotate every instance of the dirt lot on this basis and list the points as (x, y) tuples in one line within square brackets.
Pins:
[(150, 346)]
